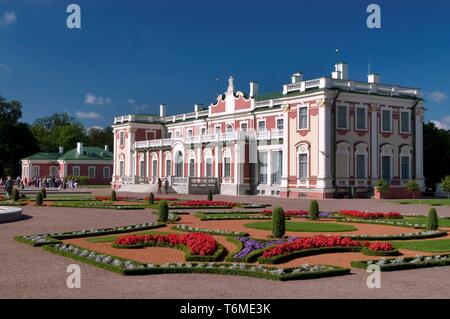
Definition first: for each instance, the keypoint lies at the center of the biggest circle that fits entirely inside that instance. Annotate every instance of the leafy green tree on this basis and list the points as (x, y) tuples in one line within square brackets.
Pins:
[(151, 198), (413, 187), (39, 199), (382, 186), (433, 220), (113, 195), (278, 223), (163, 211), (436, 154), (100, 137), (445, 185), (314, 210)]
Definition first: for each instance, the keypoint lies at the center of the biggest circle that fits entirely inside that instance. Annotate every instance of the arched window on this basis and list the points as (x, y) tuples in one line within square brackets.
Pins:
[(168, 162), (142, 165), (155, 165), (361, 161), (386, 160), (302, 161), (191, 164), (229, 127), (343, 160), (208, 163), (405, 162), (226, 163), (179, 163)]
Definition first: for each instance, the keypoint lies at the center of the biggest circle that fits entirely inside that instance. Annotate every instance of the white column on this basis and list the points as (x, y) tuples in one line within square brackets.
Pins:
[(419, 146), (160, 164), (285, 168), (324, 174), (374, 143), (216, 161), (115, 158), (199, 160), (132, 156), (269, 167), (147, 164)]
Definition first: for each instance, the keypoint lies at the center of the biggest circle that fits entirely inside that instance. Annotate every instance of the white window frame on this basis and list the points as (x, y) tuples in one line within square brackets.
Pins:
[(105, 176), (121, 138), (229, 125), (307, 117), (385, 109), (261, 129), (56, 170), (302, 149), (276, 123), (215, 129), (203, 130), (365, 118), (121, 165), (409, 121), (178, 133), (347, 117), (190, 158), (226, 154), (35, 168), (243, 122), (190, 132), (362, 150), (73, 170), (89, 171)]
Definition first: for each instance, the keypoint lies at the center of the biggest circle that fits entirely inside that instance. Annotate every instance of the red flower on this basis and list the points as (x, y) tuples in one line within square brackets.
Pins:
[(370, 215), (201, 203)]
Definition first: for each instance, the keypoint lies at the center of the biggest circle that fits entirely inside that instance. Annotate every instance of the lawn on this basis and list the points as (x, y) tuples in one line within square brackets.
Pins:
[(305, 226), (432, 202), (431, 246)]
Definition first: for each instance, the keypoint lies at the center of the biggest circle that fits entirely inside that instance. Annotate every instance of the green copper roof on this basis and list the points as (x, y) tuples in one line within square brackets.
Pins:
[(89, 153), (43, 156)]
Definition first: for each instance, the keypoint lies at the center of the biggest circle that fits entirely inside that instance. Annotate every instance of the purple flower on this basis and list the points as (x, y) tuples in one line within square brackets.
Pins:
[(253, 244)]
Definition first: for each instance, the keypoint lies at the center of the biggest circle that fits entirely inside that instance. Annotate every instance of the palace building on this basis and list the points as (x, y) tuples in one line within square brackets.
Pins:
[(318, 138)]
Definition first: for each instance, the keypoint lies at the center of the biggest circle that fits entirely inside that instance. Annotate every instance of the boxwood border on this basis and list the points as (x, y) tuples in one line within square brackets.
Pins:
[(362, 264)]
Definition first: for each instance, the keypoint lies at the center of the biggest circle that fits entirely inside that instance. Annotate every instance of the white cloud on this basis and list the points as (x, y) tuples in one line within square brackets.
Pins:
[(8, 18), (438, 96), (131, 101), (4, 67), (87, 115), (95, 127), (96, 100), (443, 123)]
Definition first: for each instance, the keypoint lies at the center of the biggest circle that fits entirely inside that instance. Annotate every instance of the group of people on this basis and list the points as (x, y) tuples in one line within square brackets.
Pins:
[(160, 184), (7, 185), (38, 182)]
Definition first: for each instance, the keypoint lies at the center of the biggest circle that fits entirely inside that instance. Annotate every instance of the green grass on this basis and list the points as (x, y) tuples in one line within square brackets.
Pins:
[(431, 246), (432, 202), (110, 239), (304, 227)]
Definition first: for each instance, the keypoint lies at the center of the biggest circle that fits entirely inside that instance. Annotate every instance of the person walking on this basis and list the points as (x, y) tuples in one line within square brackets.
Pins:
[(159, 185), (166, 186), (9, 184)]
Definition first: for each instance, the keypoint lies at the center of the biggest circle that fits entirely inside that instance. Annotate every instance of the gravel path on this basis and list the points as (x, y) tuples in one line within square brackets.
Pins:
[(27, 272)]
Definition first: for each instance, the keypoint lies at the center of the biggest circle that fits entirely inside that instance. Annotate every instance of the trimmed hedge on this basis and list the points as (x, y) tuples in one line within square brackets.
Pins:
[(405, 264), (200, 207), (366, 251), (204, 218), (100, 205), (163, 211), (248, 212), (45, 241), (433, 221), (187, 253), (306, 252), (314, 210), (420, 235), (39, 199), (219, 268), (278, 223)]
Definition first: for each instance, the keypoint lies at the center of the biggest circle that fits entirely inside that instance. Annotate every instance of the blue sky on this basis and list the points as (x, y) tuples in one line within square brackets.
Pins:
[(130, 56)]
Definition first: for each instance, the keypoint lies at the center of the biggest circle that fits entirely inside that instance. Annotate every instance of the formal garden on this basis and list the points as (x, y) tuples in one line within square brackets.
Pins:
[(234, 238)]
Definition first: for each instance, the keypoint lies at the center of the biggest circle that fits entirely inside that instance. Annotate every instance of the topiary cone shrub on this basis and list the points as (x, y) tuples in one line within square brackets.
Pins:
[(278, 223), (39, 199), (44, 193), (210, 195), (15, 195), (113, 195), (151, 198), (163, 211), (433, 221), (314, 210)]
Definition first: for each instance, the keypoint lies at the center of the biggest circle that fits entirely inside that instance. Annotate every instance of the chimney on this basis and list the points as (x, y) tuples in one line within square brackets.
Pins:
[(296, 77), (340, 71), (198, 107), (61, 150), (106, 148), (254, 88), (80, 148), (373, 78), (162, 110)]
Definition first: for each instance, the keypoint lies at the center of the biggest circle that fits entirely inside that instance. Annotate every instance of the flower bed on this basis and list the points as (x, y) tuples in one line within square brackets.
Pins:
[(301, 247), (232, 217), (379, 249), (204, 203), (370, 215), (401, 263), (129, 267), (288, 212), (402, 223), (404, 236), (43, 239), (231, 212), (220, 232), (197, 246)]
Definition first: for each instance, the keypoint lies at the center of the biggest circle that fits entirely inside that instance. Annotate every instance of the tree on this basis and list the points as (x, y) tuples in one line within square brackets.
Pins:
[(59, 129), (16, 141), (433, 221), (210, 195), (445, 186), (39, 199), (113, 195), (436, 153), (100, 137), (413, 187), (382, 186), (278, 223), (314, 210), (163, 211), (151, 198)]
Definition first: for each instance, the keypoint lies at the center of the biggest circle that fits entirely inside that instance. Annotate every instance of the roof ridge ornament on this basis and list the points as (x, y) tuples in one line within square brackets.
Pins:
[(230, 85)]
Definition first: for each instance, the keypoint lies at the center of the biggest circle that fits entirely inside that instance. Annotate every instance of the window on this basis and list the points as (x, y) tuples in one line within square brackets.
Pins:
[(35, 171), (122, 168), (142, 168), (189, 132), (386, 168), (226, 167), (203, 130), (178, 133), (303, 117), (106, 172), (302, 165), (361, 166), (154, 168), (261, 125), (208, 167), (179, 163), (404, 122), (262, 163), (192, 167), (169, 134), (229, 128), (91, 172), (217, 129), (168, 167), (53, 171), (280, 124), (122, 138), (361, 118), (76, 171), (404, 162), (244, 126), (342, 120), (386, 117), (277, 165)]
